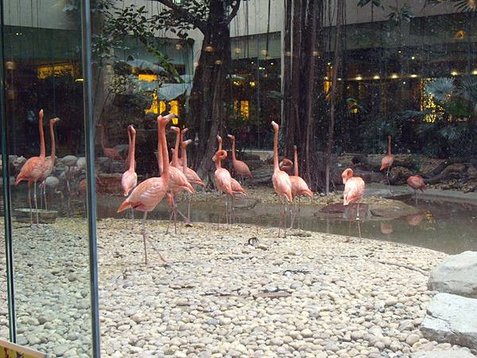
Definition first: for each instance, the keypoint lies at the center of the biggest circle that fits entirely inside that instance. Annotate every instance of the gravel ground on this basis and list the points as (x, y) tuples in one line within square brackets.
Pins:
[(227, 291)]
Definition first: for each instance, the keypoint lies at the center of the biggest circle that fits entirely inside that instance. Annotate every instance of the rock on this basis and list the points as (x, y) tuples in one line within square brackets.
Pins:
[(456, 353), (457, 274), (451, 318)]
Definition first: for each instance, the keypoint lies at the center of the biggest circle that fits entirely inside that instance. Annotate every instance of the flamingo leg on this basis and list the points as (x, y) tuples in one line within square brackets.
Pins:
[(233, 208), (44, 196), (29, 204), (359, 222), (36, 203), (144, 235)]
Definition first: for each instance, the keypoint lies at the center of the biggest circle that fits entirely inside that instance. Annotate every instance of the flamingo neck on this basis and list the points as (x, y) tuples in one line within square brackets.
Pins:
[(160, 156), (53, 143), (163, 146), (220, 144), (295, 164), (184, 155), (132, 151), (175, 156), (42, 135), (275, 149), (233, 150), (389, 145)]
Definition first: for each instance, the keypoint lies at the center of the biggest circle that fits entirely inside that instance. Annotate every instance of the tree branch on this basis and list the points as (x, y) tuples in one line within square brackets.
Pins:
[(235, 7), (186, 15)]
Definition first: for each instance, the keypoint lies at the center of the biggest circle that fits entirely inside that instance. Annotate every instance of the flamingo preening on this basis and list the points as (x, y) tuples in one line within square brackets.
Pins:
[(32, 170), (281, 180), (151, 191)]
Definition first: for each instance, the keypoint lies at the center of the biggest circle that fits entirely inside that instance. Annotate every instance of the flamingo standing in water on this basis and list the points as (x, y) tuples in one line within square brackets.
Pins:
[(151, 191), (129, 177), (417, 183), (281, 180), (49, 163), (298, 185), (240, 167), (32, 170), (353, 191), (387, 160), (226, 184)]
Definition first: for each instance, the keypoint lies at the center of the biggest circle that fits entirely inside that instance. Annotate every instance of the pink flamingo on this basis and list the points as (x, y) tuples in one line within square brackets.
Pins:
[(225, 183), (287, 166), (151, 191), (387, 160), (178, 182), (417, 183), (32, 170), (353, 191), (190, 174), (298, 185), (281, 180), (241, 168), (175, 155), (129, 177), (111, 153), (49, 163)]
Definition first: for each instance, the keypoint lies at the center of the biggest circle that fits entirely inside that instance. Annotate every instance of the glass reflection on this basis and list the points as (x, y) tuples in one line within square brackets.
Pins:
[(45, 120)]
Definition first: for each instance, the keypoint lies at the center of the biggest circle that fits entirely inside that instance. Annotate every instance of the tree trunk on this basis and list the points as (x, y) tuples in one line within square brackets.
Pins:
[(334, 88), (207, 105)]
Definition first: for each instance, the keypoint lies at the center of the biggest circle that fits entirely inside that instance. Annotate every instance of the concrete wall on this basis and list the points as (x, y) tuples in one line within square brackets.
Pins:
[(47, 14)]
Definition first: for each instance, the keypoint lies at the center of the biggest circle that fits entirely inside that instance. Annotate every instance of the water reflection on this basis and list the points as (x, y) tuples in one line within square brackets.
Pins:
[(443, 226)]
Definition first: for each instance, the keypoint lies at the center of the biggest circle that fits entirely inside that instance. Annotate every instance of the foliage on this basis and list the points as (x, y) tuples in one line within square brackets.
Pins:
[(454, 126)]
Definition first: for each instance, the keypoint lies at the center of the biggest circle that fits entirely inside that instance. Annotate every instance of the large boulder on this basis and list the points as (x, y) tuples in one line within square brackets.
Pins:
[(451, 318), (457, 274)]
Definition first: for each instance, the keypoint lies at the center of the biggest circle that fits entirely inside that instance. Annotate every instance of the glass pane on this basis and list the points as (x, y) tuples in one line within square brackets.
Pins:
[(44, 110), (340, 78), (4, 333)]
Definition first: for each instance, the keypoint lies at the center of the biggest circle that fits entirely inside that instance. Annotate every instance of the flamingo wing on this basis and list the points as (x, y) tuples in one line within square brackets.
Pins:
[(282, 184), (128, 181), (146, 195), (223, 180), (354, 190)]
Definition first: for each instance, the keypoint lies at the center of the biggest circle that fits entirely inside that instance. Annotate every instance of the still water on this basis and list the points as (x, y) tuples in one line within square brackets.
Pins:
[(444, 226)]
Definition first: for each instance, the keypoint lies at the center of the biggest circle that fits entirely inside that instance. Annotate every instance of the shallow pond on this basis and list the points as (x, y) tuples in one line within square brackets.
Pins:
[(444, 226)]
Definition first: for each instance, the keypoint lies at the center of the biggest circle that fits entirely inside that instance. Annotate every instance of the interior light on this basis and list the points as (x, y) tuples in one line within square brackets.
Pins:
[(454, 73), (413, 57), (474, 72), (359, 78), (413, 75), (252, 84), (376, 77), (394, 75)]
